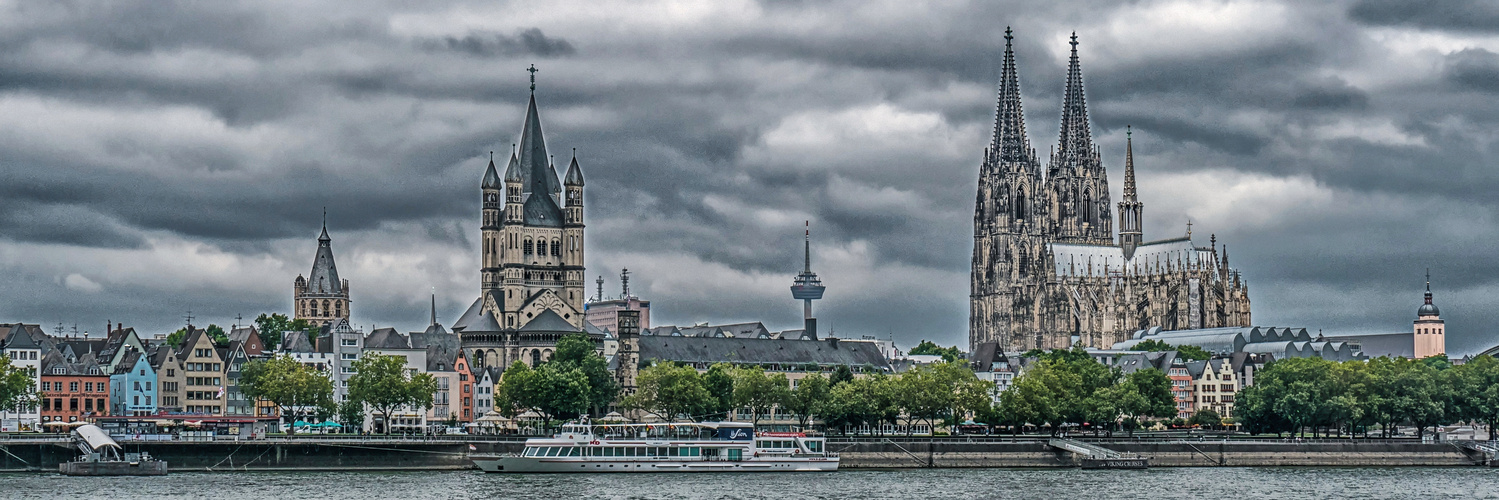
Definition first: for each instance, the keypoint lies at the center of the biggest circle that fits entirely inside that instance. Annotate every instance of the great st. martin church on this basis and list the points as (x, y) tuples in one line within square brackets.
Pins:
[(531, 257)]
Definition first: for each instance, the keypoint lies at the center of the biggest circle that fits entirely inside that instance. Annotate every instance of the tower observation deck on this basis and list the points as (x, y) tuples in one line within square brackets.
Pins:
[(807, 287)]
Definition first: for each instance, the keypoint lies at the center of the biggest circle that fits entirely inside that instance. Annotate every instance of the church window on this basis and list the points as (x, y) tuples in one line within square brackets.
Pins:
[(541, 247), (338, 308), (325, 307), (556, 248), (313, 311), (1020, 208), (528, 247), (535, 358)]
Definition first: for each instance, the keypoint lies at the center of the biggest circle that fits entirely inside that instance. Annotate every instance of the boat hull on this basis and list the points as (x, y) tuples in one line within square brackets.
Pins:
[(556, 465), (149, 468)]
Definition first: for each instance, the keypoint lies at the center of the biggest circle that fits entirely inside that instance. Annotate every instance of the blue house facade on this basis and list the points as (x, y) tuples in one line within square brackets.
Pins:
[(132, 387)]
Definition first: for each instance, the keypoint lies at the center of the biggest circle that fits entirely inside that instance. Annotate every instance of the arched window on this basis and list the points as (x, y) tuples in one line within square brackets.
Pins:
[(1088, 210), (535, 358), (325, 307), (541, 247), (1020, 209), (556, 248), (527, 245), (313, 310)]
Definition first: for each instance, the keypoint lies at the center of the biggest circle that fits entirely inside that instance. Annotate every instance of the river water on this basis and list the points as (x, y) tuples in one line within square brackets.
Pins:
[(1050, 484)]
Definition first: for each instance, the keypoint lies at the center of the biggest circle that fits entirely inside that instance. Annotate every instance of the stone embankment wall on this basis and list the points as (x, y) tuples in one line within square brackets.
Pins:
[(1162, 454), (899, 453)]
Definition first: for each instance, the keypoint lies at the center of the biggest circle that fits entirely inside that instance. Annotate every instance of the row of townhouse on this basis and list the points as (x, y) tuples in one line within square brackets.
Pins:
[(122, 374)]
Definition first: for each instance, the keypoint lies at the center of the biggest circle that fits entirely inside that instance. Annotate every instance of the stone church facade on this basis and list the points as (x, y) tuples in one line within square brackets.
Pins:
[(531, 257), (1046, 266)]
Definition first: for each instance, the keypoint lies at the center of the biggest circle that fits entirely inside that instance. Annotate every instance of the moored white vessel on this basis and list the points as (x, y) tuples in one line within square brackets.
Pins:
[(667, 447)]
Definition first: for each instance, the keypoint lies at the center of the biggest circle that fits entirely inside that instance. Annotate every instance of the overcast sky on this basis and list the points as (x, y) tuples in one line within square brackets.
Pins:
[(160, 156)]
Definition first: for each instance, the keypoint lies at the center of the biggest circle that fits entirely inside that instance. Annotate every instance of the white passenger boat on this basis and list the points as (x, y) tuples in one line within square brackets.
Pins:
[(674, 447)]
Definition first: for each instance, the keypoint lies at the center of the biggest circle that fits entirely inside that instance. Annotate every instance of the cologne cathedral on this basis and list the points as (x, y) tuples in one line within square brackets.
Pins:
[(1047, 271)]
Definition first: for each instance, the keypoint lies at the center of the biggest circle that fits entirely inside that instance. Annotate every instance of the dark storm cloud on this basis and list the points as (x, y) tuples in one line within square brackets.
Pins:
[(708, 138), (525, 42), (1475, 69), (1464, 15)]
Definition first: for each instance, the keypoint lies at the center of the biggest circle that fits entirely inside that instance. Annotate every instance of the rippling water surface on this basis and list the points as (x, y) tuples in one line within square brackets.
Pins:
[(1057, 484)]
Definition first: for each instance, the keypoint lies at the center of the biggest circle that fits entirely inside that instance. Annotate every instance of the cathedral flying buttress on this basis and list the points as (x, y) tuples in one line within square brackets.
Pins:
[(1047, 272)]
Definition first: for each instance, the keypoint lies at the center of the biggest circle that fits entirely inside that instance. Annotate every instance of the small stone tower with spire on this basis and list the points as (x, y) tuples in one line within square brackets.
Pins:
[(321, 297), (1131, 234), (1430, 330)]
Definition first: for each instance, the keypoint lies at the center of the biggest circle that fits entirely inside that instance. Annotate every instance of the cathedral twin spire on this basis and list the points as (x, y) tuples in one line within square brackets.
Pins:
[(1075, 147)]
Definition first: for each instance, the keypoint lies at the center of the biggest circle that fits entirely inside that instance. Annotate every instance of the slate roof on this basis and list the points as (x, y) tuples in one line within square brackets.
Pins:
[(294, 341), (491, 178), (485, 323), (21, 337), (444, 340), (80, 368), (127, 362), (469, 316), (734, 350), (159, 357), (574, 174), (387, 338), (548, 321), (323, 280)]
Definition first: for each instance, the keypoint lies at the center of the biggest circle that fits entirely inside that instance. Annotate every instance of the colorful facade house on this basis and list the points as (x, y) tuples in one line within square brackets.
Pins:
[(133, 386), (72, 391)]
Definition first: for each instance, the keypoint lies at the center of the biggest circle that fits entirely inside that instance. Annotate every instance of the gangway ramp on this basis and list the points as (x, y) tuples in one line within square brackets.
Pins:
[(1098, 457)]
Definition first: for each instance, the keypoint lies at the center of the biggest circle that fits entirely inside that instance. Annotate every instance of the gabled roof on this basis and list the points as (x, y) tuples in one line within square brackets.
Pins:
[(387, 338), (21, 337), (486, 323), (294, 341), (548, 321), (128, 362), (470, 315), (161, 354), (443, 340)]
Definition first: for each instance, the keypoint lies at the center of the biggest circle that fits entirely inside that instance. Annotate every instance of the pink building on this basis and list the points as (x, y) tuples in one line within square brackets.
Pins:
[(1430, 330)]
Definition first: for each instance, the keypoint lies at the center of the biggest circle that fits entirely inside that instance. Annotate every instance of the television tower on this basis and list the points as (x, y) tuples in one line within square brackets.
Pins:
[(807, 287)]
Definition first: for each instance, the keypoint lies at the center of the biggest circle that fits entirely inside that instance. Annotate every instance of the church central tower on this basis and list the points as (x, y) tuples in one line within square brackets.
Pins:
[(531, 256)]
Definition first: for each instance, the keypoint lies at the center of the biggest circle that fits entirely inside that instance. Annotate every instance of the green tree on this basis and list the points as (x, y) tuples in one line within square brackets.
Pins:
[(808, 398), (669, 391), (1206, 418), (296, 389), (840, 375), (351, 415), (849, 405), (215, 334), (553, 390), (17, 385), (270, 327), (759, 392), (1154, 388), (927, 347), (384, 383), (719, 381), (577, 351)]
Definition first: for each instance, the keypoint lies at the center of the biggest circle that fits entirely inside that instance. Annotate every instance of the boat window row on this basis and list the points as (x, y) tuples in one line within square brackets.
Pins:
[(774, 444), (613, 451)]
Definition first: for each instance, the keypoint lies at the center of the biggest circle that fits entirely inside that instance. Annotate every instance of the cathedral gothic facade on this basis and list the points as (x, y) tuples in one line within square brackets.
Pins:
[(531, 257), (1046, 266)]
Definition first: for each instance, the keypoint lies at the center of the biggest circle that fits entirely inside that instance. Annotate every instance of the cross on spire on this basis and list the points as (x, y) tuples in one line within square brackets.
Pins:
[(533, 71)]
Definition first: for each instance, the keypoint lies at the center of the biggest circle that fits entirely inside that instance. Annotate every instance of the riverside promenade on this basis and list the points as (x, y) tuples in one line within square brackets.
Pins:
[(350, 453)]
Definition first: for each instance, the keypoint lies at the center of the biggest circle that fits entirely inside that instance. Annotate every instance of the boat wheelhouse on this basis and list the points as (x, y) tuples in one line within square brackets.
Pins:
[(666, 447)]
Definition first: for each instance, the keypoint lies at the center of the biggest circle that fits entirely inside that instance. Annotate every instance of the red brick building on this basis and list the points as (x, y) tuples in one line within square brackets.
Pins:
[(73, 391)]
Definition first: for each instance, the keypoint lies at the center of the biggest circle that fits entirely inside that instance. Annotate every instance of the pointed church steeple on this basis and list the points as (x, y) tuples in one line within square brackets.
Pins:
[(1076, 143), (1009, 144), (1131, 211)]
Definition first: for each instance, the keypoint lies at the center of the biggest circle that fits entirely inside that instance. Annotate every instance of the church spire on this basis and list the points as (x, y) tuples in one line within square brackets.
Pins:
[(1129, 165), (1131, 211), (1076, 143), (1009, 144)]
